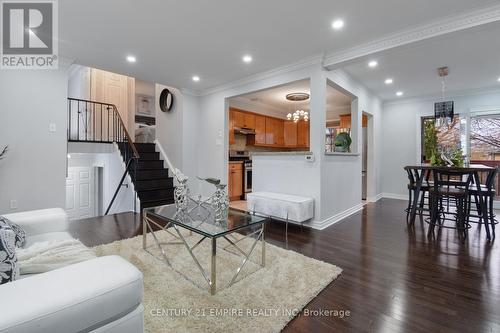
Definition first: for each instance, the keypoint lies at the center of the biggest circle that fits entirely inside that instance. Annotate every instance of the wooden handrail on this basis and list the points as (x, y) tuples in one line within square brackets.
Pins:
[(115, 109), (129, 139)]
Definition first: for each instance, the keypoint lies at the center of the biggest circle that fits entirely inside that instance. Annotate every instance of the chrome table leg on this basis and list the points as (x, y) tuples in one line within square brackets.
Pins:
[(263, 240), (213, 268)]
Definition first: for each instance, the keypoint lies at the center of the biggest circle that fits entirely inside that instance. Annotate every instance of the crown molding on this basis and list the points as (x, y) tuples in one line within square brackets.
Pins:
[(301, 64), (436, 28), (190, 92), (449, 94)]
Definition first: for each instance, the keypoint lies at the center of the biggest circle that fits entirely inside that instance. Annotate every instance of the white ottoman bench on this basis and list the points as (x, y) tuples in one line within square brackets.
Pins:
[(281, 206)]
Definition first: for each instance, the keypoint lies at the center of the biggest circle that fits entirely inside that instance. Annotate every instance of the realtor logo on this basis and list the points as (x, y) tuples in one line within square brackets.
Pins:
[(29, 35)]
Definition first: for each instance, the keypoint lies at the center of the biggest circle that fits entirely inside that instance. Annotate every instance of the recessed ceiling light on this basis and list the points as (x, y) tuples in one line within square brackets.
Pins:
[(196, 78), (389, 81), (499, 79), (373, 64), (399, 93), (338, 24), (247, 59), (131, 58)]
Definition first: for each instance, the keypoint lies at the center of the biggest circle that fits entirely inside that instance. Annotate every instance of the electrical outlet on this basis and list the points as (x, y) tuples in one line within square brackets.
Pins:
[(13, 204)]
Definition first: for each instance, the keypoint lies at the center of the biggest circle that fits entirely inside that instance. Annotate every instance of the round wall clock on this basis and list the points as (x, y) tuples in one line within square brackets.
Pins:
[(166, 100)]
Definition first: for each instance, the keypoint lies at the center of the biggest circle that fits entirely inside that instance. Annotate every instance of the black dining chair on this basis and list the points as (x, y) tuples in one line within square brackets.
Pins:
[(414, 175), (450, 185), (486, 197)]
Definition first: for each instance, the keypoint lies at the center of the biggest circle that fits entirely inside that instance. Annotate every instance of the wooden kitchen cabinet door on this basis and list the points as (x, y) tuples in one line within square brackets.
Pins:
[(235, 181), (231, 128), (249, 121), (290, 134), (345, 121), (279, 134), (270, 130), (303, 134), (238, 118), (260, 130)]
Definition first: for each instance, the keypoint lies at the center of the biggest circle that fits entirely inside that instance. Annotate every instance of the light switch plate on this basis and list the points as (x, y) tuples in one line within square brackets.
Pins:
[(13, 204), (52, 127)]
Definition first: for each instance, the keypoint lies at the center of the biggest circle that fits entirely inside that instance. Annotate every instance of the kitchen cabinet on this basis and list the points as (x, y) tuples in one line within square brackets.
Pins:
[(290, 134), (242, 119), (269, 131), (274, 132), (303, 134), (238, 118), (345, 121), (231, 129), (260, 130), (235, 181)]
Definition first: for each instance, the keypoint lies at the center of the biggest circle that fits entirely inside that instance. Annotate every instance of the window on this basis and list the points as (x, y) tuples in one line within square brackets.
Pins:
[(449, 137)]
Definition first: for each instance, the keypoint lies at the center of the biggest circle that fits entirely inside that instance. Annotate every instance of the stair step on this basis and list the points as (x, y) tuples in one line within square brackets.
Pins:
[(149, 165), (156, 194), (154, 184), (160, 202), (145, 147), (151, 174), (144, 156)]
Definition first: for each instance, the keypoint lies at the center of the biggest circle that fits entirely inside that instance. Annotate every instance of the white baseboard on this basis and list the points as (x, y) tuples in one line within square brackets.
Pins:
[(320, 225), (394, 196), (375, 198)]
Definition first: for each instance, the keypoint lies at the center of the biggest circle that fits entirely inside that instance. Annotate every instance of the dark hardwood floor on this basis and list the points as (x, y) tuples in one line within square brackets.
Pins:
[(394, 279)]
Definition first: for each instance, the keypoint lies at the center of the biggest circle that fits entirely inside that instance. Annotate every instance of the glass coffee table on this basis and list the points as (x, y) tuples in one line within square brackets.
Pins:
[(200, 220)]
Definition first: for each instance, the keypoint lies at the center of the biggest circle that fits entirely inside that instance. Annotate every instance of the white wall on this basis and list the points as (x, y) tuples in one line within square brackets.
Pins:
[(79, 82), (177, 131), (34, 171), (341, 175), (401, 133), (108, 157)]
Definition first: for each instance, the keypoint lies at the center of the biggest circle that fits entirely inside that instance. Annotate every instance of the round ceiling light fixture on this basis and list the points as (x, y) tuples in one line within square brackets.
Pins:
[(389, 81), (297, 97), (338, 24), (247, 59), (373, 64)]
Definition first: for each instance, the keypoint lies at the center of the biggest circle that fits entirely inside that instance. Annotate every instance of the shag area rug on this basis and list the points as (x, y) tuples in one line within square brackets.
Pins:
[(261, 299)]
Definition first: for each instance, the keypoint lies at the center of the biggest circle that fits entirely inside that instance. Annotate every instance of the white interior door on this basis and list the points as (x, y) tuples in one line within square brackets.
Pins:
[(79, 193), (110, 88)]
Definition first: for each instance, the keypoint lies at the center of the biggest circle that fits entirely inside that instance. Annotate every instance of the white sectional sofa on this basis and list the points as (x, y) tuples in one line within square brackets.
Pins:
[(99, 295)]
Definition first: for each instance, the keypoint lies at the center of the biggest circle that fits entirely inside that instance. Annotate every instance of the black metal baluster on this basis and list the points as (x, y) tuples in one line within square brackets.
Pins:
[(78, 121), (69, 120), (107, 119), (101, 123)]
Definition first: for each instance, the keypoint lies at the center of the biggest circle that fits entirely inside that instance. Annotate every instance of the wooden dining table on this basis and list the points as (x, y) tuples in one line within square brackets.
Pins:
[(424, 169)]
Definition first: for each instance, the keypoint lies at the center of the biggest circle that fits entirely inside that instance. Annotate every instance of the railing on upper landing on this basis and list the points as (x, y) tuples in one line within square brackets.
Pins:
[(90, 121)]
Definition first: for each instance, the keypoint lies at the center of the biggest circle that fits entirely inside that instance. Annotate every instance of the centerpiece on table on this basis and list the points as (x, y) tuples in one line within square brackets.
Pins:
[(342, 142)]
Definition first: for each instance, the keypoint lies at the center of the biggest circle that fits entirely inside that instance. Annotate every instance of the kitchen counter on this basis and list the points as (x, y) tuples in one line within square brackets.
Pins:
[(235, 162), (281, 153)]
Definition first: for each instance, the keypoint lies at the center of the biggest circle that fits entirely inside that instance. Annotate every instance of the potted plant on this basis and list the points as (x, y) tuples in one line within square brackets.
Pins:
[(342, 142)]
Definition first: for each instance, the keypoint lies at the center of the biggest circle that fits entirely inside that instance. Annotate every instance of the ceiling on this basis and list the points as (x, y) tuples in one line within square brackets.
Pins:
[(174, 40), (274, 100), (472, 55)]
